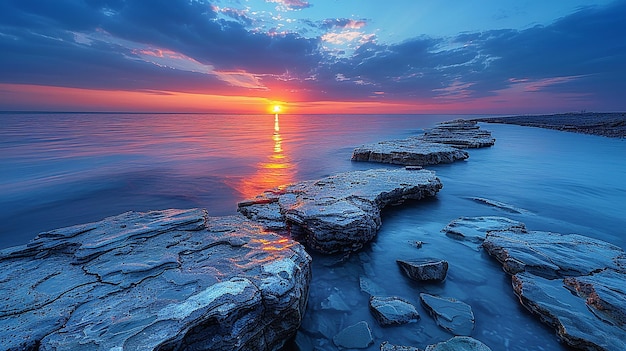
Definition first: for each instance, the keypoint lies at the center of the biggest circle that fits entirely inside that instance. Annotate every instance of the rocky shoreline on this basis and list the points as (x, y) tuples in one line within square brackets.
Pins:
[(179, 279), (611, 125)]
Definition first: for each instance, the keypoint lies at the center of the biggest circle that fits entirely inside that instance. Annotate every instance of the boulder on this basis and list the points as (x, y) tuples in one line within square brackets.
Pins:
[(552, 255), (459, 343), (391, 310), (411, 151), (450, 314), (474, 229), (574, 318), (173, 279), (425, 269), (357, 336), (339, 212)]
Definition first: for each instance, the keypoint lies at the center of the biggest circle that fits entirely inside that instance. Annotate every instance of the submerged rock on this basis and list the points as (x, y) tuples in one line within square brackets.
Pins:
[(552, 255), (450, 314), (425, 269), (475, 229), (459, 343), (386, 346), (411, 151), (173, 279), (392, 310), (340, 212), (357, 336), (498, 204)]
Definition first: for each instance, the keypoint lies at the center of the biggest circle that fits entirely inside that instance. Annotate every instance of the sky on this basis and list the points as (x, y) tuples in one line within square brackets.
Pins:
[(313, 56)]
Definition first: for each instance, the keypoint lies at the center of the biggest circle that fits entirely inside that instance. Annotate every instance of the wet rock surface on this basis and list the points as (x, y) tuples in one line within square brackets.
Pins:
[(386, 346), (357, 336), (411, 151), (572, 282), (392, 310), (425, 269), (475, 229), (450, 314), (459, 133), (339, 212), (441, 144), (170, 279), (459, 343)]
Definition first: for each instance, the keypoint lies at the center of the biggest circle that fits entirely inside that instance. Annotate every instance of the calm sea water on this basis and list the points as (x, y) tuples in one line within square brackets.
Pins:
[(63, 169)]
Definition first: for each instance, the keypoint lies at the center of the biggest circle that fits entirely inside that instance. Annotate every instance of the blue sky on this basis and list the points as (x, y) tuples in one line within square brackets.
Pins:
[(351, 55)]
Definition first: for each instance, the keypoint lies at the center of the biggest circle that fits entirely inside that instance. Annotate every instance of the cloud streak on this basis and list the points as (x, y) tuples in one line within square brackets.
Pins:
[(183, 46)]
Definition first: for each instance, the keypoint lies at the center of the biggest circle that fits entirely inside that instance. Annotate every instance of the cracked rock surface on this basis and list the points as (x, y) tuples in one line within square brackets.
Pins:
[(572, 282), (160, 280), (339, 212)]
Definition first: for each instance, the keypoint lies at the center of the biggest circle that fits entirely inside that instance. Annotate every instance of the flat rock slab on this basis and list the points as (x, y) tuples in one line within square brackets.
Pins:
[(459, 343), (411, 151), (386, 346), (460, 134), (572, 282), (571, 315), (450, 314), (392, 310), (339, 212), (475, 229), (552, 255), (173, 279), (425, 269), (357, 336)]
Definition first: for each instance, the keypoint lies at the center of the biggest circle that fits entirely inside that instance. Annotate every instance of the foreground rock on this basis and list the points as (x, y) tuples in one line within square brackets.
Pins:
[(410, 151), (160, 280), (450, 314), (475, 229), (572, 282), (392, 310), (459, 133), (340, 212), (425, 269)]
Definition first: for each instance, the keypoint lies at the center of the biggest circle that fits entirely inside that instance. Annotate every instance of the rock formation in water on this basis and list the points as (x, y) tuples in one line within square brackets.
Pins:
[(441, 144), (339, 212), (357, 336), (450, 314), (392, 310), (161, 280), (425, 269), (572, 282), (459, 343)]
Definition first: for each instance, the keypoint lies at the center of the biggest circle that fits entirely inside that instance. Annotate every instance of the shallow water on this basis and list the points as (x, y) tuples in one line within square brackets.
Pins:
[(60, 170)]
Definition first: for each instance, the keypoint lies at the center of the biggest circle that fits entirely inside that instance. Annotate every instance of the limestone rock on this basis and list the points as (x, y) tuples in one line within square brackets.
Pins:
[(459, 133), (574, 320), (411, 151), (450, 314), (392, 310), (172, 279), (604, 294), (357, 336), (552, 255), (474, 229), (425, 269), (459, 343), (339, 212)]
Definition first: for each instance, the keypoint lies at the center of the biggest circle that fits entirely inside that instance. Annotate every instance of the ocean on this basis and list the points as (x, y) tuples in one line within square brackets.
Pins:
[(63, 169)]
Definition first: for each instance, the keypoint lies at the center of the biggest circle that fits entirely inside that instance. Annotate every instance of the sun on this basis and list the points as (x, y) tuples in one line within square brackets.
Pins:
[(276, 108)]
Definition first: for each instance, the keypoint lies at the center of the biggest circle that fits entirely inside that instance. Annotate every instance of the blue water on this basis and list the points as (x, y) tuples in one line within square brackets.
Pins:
[(62, 169)]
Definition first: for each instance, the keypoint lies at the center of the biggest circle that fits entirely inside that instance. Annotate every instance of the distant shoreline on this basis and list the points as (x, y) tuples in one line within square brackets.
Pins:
[(612, 125)]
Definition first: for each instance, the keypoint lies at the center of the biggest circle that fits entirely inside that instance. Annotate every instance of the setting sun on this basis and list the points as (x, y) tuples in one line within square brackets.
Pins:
[(276, 108)]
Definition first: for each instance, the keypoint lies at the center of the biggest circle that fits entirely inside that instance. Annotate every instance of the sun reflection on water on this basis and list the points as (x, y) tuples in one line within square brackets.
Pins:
[(277, 170)]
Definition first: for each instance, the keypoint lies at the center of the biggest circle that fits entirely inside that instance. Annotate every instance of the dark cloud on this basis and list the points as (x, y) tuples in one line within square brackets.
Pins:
[(87, 44)]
